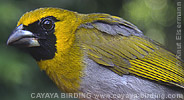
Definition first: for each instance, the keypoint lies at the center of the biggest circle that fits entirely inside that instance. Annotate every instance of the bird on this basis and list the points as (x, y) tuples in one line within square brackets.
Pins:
[(98, 53)]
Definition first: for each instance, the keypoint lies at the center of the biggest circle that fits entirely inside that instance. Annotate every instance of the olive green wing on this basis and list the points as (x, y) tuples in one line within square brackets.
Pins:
[(121, 47)]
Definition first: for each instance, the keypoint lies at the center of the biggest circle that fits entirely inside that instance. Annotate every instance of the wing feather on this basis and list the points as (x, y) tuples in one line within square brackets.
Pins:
[(121, 47)]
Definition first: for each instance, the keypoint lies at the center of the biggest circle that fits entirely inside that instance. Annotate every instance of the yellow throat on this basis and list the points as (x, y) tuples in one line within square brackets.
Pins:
[(65, 69)]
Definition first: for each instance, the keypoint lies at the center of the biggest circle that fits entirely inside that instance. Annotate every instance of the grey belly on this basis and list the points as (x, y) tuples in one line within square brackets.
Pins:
[(100, 81)]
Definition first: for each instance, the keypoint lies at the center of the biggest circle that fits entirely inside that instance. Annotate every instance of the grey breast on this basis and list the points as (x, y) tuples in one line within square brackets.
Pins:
[(100, 80)]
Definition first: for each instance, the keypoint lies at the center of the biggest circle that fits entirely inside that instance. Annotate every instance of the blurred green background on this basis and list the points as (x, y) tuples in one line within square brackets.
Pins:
[(19, 74)]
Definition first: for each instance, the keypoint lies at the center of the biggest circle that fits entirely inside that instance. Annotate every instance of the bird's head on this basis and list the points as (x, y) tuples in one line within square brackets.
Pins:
[(48, 34), (38, 32)]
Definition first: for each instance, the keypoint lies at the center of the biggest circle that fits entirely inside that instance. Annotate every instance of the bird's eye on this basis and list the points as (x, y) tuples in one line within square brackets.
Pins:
[(47, 24)]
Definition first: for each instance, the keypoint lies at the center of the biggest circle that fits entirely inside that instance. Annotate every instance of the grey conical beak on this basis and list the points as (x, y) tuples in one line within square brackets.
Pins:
[(22, 38)]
